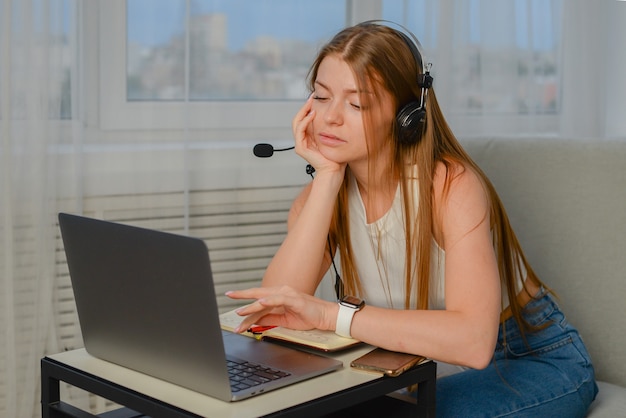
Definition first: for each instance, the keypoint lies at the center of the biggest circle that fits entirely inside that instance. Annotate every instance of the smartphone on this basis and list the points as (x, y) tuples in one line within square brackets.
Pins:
[(390, 363)]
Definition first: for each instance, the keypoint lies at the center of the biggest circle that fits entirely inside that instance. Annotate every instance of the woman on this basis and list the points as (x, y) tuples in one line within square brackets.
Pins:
[(422, 237)]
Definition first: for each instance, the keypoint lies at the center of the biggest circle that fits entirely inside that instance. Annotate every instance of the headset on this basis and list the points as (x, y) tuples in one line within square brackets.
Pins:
[(410, 119)]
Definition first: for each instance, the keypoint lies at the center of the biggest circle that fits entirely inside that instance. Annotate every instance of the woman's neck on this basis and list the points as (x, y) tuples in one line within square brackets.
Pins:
[(377, 191)]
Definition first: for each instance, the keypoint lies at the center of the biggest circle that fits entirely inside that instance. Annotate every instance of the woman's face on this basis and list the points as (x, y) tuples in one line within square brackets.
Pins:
[(338, 127)]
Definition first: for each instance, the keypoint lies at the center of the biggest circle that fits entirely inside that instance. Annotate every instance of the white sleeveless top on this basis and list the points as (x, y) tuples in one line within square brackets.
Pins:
[(379, 255)]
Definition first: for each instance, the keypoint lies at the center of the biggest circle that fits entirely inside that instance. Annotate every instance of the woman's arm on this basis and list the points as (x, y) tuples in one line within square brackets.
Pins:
[(464, 333), (303, 258)]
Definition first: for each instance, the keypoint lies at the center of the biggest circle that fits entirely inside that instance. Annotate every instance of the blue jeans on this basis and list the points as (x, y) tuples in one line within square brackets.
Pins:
[(550, 376)]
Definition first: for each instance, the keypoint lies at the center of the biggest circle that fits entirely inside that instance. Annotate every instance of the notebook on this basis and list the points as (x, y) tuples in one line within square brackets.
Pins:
[(146, 301)]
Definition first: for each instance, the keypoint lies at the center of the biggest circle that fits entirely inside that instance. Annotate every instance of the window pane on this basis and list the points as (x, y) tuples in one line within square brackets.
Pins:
[(504, 55), (155, 49), (225, 49)]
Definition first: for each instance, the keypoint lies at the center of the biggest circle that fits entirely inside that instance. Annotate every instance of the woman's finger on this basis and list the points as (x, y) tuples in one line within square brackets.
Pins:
[(251, 293), (302, 115)]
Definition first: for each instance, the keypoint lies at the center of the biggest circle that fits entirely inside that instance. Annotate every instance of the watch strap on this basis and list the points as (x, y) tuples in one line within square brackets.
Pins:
[(344, 320)]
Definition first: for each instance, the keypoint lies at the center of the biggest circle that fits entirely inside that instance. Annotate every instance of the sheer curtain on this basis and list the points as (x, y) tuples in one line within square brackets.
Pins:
[(524, 67), (56, 155), (594, 64), (495, 63), (53, 159), (31, 79)]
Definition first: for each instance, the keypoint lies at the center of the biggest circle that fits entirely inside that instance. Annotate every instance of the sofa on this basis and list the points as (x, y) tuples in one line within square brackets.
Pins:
[(566, 200)]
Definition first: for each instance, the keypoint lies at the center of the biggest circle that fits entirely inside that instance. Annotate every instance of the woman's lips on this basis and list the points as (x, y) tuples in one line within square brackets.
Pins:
[(329, 139)]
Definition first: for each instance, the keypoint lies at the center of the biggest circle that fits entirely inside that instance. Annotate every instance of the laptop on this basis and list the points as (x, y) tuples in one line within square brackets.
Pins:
[(146, 301)]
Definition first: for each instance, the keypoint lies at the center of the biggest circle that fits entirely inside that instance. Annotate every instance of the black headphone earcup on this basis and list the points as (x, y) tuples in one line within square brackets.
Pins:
[(410, 122)]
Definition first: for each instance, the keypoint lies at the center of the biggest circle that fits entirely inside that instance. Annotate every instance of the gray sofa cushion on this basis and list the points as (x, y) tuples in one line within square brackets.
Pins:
[(611, 402), (567, 203)]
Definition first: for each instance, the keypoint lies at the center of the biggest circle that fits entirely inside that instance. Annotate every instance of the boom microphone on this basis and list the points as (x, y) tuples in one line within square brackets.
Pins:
[(267, 150)]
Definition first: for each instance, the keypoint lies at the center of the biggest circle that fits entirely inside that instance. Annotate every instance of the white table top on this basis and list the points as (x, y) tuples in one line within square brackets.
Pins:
[(201, 404)]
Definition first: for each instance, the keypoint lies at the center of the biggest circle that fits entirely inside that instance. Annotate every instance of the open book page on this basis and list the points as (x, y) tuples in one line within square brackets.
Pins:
[(230, 320), (315, 338)]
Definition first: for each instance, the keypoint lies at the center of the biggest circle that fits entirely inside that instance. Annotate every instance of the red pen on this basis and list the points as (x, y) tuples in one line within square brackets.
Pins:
[(259, 329)]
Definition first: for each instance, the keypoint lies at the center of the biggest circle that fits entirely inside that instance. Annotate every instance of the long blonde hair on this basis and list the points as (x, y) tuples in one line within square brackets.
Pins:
[(379, 56)]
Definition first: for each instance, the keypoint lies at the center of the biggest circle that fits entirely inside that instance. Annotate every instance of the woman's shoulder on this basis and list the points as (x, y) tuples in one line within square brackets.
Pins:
[(460, 199), (456, 177)]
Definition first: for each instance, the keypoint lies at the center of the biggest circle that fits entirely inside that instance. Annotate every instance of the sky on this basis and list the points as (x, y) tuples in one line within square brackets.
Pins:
[(246, 18), (153, 22)]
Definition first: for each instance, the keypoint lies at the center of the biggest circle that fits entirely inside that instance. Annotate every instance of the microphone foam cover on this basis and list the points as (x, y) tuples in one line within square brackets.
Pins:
[(263, 150)]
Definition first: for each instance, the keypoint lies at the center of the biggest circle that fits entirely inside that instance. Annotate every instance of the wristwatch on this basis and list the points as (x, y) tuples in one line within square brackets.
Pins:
[(348, 306)]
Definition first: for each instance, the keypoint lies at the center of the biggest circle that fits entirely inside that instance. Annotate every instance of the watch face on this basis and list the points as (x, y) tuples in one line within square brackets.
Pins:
[(352, 302)]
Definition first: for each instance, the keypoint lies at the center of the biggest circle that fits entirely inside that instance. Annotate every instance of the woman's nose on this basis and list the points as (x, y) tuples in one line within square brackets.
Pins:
[(333, 113)]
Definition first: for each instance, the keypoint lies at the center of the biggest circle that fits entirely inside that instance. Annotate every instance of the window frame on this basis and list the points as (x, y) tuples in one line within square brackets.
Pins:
[(116, 113), (246, 120)]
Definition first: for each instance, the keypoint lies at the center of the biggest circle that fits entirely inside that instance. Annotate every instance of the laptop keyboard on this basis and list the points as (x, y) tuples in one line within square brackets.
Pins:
[(244, 374)]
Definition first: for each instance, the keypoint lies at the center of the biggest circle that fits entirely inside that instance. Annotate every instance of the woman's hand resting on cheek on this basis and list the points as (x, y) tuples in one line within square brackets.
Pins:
[(305, 143), (285, 307)]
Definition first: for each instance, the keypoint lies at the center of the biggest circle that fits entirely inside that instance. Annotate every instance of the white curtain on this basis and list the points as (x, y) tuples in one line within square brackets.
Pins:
[(31, 79), (57, 153), (52, 157), (499, 65), (49, 141), (526, 67), (594, 64)]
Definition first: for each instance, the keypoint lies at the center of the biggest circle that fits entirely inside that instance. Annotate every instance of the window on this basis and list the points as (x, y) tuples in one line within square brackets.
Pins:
[(495, 62), (224, 50), (225, 60), (225, 65)]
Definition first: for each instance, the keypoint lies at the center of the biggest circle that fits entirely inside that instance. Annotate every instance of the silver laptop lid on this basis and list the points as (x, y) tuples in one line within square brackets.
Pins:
[(146, 300)]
